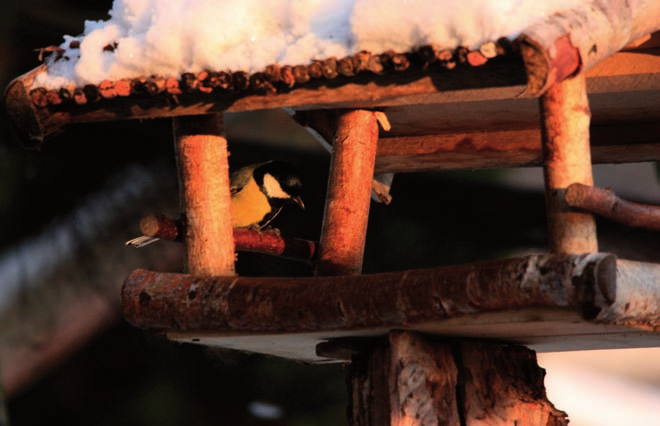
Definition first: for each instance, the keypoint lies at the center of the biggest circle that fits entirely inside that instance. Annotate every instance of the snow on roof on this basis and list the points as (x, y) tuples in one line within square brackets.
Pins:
[(146, 38)]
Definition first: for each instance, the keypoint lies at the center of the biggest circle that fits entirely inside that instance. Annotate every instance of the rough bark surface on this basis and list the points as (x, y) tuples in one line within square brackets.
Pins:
[(565, 117), (604, 203), (349, 192), (573, 41), (201, 152), (253, 304), (452, 383), (266, 242)]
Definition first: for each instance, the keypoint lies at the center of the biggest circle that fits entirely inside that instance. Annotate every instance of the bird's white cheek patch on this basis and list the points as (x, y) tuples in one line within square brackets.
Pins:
[(273, 188)]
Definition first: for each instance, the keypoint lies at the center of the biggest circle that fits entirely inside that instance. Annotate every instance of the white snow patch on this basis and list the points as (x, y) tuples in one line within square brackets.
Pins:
[(167, 38)]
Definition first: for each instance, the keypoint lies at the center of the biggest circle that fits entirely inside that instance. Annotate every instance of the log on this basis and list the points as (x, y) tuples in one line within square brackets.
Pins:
[(413, 380), (201, 154), (637, 304), (161, 301), (573, 41), (604, 203), (565, 117), (346, 215), (33, 123)]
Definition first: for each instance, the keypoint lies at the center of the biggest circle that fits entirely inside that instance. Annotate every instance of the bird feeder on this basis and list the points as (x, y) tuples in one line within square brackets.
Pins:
[(446, 345)]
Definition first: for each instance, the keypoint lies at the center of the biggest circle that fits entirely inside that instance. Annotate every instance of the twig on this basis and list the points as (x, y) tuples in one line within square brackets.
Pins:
[(267, 242), (604, 203)]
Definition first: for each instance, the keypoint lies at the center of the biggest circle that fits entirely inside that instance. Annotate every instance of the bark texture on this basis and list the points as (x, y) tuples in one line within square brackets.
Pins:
[(566, 43), (164, 301), (344, 229), (201, 151), (604, 203), (451, 383), (565, 117)]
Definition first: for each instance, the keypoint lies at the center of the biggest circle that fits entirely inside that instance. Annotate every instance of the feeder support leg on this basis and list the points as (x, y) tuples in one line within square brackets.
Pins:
[(565, 118), (413, 381), (201, 153), (348, 197)]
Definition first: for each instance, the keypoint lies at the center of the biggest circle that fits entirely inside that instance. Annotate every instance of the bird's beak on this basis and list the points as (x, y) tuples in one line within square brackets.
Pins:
[(299, 201)]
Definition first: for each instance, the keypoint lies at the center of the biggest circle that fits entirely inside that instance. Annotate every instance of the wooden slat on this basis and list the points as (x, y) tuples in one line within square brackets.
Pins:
[(510, 148)]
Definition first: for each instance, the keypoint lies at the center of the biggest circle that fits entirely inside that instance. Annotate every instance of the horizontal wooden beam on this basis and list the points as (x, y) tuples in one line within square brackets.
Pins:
[(530, 299), (638, 142), (500, 78)]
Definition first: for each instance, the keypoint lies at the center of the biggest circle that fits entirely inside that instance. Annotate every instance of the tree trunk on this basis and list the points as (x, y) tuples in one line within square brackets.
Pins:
[(415, 381)]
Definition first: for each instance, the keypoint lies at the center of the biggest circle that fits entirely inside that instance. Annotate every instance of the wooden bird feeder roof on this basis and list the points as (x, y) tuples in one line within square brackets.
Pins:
[(455, 109)]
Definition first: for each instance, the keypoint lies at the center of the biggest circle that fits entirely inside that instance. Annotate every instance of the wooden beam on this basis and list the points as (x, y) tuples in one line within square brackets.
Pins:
[(501, 78), (549, 302), (201, 153), (565, 119), (176, 301), (348, 198), (567, 43), (631, 143)]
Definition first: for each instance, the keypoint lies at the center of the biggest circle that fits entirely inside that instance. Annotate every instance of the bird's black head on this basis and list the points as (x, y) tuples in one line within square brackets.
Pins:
[(280, 182)]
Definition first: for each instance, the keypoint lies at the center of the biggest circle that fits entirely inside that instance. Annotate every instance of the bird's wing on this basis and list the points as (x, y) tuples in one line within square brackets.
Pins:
[(269, 217), (242, 176)]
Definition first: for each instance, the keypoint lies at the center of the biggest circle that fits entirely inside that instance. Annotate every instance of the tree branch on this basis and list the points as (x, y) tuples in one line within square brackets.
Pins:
[(268, 242), (604, 203)]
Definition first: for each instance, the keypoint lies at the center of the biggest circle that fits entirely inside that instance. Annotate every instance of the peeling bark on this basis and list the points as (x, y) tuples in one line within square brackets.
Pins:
[(452, 383), (164, 301), (573, 41), (565, 118), (604, 203)]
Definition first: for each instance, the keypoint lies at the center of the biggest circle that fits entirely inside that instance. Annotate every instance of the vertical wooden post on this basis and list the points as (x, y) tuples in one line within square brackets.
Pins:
[(349, 189), (565, 118), (415, 381), (201, 153)]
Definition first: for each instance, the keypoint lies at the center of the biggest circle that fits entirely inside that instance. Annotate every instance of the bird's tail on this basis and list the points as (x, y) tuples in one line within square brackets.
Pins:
[(141, 241)]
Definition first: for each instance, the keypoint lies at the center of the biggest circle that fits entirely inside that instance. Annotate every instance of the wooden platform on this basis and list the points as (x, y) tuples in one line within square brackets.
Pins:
[(548, 302)]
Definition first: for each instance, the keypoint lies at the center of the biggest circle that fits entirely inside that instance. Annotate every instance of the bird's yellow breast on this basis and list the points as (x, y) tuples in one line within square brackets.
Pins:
[(249, 206)]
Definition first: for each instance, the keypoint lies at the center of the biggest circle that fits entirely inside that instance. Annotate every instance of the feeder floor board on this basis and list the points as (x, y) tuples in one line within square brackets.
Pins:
[(548, 302), (543, 330)]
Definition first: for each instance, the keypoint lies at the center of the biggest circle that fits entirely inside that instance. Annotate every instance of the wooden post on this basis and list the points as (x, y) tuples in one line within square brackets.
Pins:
[(565, 117), (349, 188), (201, 153), (415, 381)]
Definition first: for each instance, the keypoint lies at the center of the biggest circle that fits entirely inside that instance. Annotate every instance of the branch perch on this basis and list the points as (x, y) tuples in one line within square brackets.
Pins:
[(604, 203), (267, 242)]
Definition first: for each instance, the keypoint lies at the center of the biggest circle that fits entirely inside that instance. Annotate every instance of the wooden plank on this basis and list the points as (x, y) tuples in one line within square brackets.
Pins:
[(632, 143)]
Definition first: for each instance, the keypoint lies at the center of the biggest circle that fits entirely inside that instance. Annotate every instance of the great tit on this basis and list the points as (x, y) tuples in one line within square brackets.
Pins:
[(258, 193)]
